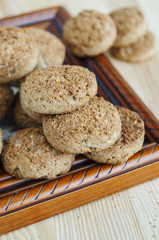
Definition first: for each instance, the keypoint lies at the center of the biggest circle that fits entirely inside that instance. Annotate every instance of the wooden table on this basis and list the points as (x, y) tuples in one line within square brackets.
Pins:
[(132, 214)]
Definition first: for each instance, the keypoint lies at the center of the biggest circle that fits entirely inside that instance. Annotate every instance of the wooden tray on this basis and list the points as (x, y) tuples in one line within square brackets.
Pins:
[(23, 202)]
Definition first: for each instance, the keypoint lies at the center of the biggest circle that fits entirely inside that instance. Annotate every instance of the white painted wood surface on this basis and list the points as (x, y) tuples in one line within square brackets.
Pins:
[(132, 214)]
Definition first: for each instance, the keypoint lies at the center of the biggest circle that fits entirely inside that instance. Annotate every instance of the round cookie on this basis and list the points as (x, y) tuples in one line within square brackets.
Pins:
[(57, 89), (6, 98), (19, 54), (130, 25), (89, 33), (130, 141), (21, 118), (143, 49), (52, 50), (1, 140), (93, 127), (27, 154)]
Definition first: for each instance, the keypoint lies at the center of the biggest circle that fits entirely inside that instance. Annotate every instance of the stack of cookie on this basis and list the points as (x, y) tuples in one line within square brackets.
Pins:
[(74, 121), (57, 104), (91, 33), (23, 50), (134, 43)]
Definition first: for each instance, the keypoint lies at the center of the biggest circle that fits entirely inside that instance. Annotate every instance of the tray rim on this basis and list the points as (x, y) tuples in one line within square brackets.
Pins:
[(151, 149), (54, 8)]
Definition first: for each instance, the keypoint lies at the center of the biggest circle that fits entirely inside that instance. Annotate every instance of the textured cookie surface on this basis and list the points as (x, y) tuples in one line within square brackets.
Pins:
[(21, 118), (6, 98), (18, 54), (89, 33), (52, 50), (143, 49), (130, 25), (57, 89), (93, 127), (128, 144), (1, 140), (27, 154)]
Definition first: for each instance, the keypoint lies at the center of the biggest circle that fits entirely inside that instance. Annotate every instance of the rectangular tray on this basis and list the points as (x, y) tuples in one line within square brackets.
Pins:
[(23, 202)]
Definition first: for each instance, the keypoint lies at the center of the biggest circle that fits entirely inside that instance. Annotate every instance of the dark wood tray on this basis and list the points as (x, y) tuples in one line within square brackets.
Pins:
[(23, 202)]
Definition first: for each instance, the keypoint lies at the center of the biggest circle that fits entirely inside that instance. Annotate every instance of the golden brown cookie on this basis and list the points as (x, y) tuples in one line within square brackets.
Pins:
[(1, 140), (57, 89), (130, 25), (143, 49), (27, 154), (89, 33), (21, 118), (19, 54), (93, 127), (6, 99), (52, 50), (128, 144)]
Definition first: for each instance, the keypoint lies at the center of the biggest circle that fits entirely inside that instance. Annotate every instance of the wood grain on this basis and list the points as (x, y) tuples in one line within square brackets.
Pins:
[(132, 214)]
